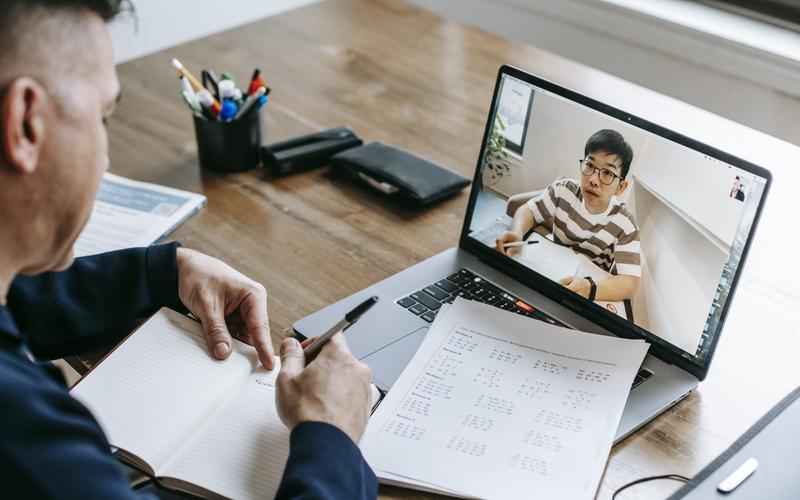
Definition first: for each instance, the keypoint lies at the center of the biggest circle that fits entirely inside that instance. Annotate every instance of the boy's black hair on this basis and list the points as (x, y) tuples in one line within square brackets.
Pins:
[(611, 142)]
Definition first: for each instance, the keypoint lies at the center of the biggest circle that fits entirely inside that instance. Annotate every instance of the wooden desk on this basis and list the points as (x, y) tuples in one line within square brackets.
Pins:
[(402, 75)]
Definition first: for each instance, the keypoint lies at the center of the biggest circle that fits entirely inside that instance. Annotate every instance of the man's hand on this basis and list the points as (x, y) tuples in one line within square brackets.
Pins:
[(508, 237), (334, 389), (581, 286), (225, 301)]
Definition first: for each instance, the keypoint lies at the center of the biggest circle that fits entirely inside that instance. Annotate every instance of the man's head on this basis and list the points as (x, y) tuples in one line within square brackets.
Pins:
[(604, 169), (58, 86)]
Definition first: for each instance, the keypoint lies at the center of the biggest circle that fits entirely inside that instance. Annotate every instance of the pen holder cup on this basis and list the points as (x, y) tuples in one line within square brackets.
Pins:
[(233, 146)]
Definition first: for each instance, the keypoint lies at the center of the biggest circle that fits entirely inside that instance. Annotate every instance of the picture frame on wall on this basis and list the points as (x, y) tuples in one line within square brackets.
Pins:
[(514, 109)]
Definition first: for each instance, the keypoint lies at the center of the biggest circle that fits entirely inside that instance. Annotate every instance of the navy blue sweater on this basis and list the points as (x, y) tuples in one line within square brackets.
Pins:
[(52, 447)]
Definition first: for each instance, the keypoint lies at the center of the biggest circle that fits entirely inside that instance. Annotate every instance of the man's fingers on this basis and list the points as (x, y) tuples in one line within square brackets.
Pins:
[(339, 343), (293, 360), (253, 311), (565, 281), (217, 336), (307, 342), (212, 317)]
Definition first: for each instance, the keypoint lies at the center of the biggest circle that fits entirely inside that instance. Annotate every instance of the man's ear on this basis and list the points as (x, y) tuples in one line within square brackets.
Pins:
[(22, 124)]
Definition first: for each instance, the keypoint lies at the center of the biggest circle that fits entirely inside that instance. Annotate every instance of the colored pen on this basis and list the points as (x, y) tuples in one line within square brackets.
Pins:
[(191, 100), (255, 82), (208, 102), (250, 102), (186, 86), (348, 321), (520, 243)]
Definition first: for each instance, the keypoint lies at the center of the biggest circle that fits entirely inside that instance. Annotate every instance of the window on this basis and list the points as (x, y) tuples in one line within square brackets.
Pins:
[(785, 13)]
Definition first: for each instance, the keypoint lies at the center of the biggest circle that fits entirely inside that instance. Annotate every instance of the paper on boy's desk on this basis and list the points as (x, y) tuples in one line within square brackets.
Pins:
[(548, 258), (588, 268), (496, 405), (130, 213)]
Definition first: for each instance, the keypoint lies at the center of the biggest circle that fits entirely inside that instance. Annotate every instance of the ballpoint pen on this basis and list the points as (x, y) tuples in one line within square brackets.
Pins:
[(520, 243), (349, 320), (250, 102)]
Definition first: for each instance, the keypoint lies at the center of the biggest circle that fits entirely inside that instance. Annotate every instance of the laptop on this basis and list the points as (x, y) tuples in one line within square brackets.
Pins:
[(584, 216)]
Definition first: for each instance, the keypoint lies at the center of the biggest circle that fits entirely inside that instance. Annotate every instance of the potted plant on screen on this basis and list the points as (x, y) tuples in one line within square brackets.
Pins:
[(496, 164)]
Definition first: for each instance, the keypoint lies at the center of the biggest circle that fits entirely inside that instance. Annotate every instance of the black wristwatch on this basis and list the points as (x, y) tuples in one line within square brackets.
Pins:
[(592, 288)]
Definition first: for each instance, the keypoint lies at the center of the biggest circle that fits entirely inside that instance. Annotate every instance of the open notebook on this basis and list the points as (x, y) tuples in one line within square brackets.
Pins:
[(199, 425)]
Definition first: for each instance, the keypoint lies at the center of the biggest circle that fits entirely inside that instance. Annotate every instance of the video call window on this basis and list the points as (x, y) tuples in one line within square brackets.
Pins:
[(649, 229)]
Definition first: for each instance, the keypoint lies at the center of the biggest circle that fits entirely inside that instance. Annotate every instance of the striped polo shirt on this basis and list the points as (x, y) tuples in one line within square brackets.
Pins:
[(609, 239)]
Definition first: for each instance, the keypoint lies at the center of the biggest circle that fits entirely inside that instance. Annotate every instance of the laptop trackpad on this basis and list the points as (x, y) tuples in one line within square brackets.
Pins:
[(388, 362)]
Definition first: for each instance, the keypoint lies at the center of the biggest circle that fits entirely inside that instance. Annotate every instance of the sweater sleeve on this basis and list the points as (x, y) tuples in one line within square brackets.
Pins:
[(325, 464), (95, 302)]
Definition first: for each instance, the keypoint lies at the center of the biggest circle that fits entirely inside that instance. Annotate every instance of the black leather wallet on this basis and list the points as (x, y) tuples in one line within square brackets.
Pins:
[(398, 173)]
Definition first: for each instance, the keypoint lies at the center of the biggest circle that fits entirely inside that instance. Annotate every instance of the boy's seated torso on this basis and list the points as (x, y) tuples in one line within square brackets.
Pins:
[(609, 239)]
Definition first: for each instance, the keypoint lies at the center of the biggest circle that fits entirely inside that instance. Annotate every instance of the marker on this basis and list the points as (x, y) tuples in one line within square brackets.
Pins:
[(250, 102), (191, 100), (186, 86), (520, 243), (262, 101), (228, 111), (196, 85), (227, 89), (209, 103), (255, 82), (228, 76)]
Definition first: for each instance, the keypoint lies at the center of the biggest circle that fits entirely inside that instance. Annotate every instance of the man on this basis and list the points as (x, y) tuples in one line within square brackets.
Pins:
[(588, 217), (57, 89)]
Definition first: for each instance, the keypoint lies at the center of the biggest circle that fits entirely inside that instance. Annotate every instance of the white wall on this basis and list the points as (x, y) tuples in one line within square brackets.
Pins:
[(698, 187), (557, 133), (681, 270), (163, 24)]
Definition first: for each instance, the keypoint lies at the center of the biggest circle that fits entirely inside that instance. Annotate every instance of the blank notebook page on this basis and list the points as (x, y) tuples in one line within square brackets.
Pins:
[(241, 450), (155, 389)]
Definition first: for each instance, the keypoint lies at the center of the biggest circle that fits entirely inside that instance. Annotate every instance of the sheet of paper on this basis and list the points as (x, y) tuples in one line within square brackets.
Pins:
[(240, 451), (496, 405), (160, 385), (548, 258), (129, 214)]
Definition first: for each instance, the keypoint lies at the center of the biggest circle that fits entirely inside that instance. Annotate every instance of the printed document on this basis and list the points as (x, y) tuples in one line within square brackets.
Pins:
[(130, 213), (497, 405)]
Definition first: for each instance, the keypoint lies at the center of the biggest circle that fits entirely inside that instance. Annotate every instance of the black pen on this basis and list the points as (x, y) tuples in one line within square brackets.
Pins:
[(520, 243), (348, 321), (208, 76)]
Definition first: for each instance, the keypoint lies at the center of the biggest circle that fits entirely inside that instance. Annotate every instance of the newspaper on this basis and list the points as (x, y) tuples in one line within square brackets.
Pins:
[(130, 213)]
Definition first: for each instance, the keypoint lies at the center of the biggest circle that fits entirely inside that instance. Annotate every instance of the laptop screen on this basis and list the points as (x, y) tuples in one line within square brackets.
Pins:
[(652, 230)]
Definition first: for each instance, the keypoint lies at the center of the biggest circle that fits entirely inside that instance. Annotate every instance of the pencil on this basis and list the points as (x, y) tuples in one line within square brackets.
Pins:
[(519, 243)]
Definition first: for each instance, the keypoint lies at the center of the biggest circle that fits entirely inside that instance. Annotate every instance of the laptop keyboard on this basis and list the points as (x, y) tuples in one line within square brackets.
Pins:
[(427, 301)]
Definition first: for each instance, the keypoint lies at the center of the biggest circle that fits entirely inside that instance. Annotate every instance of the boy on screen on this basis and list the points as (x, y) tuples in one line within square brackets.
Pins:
[(588, 217)]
